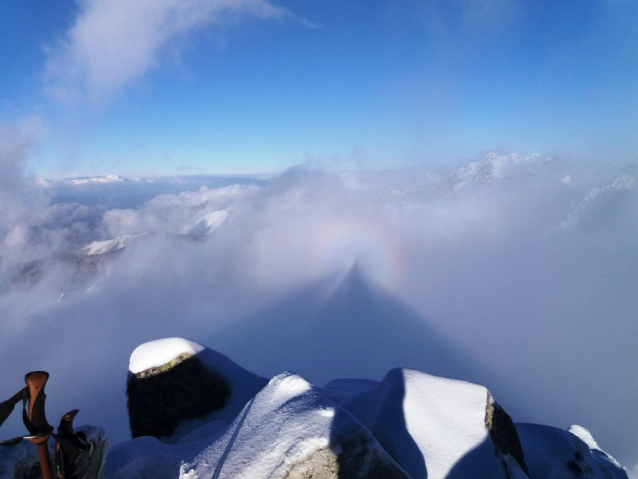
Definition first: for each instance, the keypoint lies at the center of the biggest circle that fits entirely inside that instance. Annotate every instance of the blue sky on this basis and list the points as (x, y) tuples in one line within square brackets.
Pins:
[(219, 86)]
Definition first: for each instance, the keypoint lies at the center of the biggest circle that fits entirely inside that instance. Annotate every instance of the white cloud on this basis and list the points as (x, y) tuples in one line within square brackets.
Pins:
[(113, 43), (171, 213), (17, 201)]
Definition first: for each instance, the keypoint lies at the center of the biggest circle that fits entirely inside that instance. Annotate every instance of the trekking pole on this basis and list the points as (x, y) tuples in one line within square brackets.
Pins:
[(35, 384)]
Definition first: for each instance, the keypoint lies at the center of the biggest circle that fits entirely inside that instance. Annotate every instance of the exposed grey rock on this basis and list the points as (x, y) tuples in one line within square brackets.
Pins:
[(356, 456), (503, 434)]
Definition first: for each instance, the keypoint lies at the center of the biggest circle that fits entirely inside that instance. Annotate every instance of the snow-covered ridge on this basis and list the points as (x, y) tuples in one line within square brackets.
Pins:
[(492, 167), (409, 425), (622, 183), (162, 351), (96, 179), (207, 224), (107, 246)]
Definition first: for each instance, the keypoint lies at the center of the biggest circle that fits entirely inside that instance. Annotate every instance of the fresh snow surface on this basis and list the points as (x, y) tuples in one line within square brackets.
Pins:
[(156, 353), (584, 435), (286, 422), (430, 426), (426, 423)]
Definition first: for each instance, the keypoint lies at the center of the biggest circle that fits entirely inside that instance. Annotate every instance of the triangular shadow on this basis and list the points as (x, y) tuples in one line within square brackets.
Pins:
[(360, 330)]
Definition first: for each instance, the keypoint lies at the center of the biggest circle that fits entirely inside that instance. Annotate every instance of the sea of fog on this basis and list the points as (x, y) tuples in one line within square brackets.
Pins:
[(520, 273)]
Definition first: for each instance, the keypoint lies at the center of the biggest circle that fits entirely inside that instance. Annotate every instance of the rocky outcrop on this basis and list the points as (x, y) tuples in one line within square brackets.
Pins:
[(503, 434), (289, 430), (353, 457), (409, 425), (159, 398)]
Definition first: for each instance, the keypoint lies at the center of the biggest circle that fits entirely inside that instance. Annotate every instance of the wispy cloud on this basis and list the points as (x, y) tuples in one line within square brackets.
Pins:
[(16, 142), (112, 44), (457, 17)]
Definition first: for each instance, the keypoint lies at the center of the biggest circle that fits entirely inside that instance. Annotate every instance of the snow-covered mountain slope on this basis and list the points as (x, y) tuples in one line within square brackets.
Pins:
[(207, 224), (410, 425), (97, 179), (493, 167), (107, 246), (593, 198)]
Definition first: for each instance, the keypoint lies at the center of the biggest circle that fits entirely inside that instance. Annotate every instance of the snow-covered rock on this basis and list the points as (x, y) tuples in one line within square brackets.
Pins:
[(176, 385), (409, 425), (154, 354), (288, 430), (434, 427), (552, 453)]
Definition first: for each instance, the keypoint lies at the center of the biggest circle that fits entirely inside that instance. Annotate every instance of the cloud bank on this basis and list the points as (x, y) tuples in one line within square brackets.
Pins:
[(524, 266)]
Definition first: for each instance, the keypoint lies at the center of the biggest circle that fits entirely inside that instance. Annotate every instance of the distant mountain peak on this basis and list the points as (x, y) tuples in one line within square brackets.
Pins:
[(493, 166), (97, 179)]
